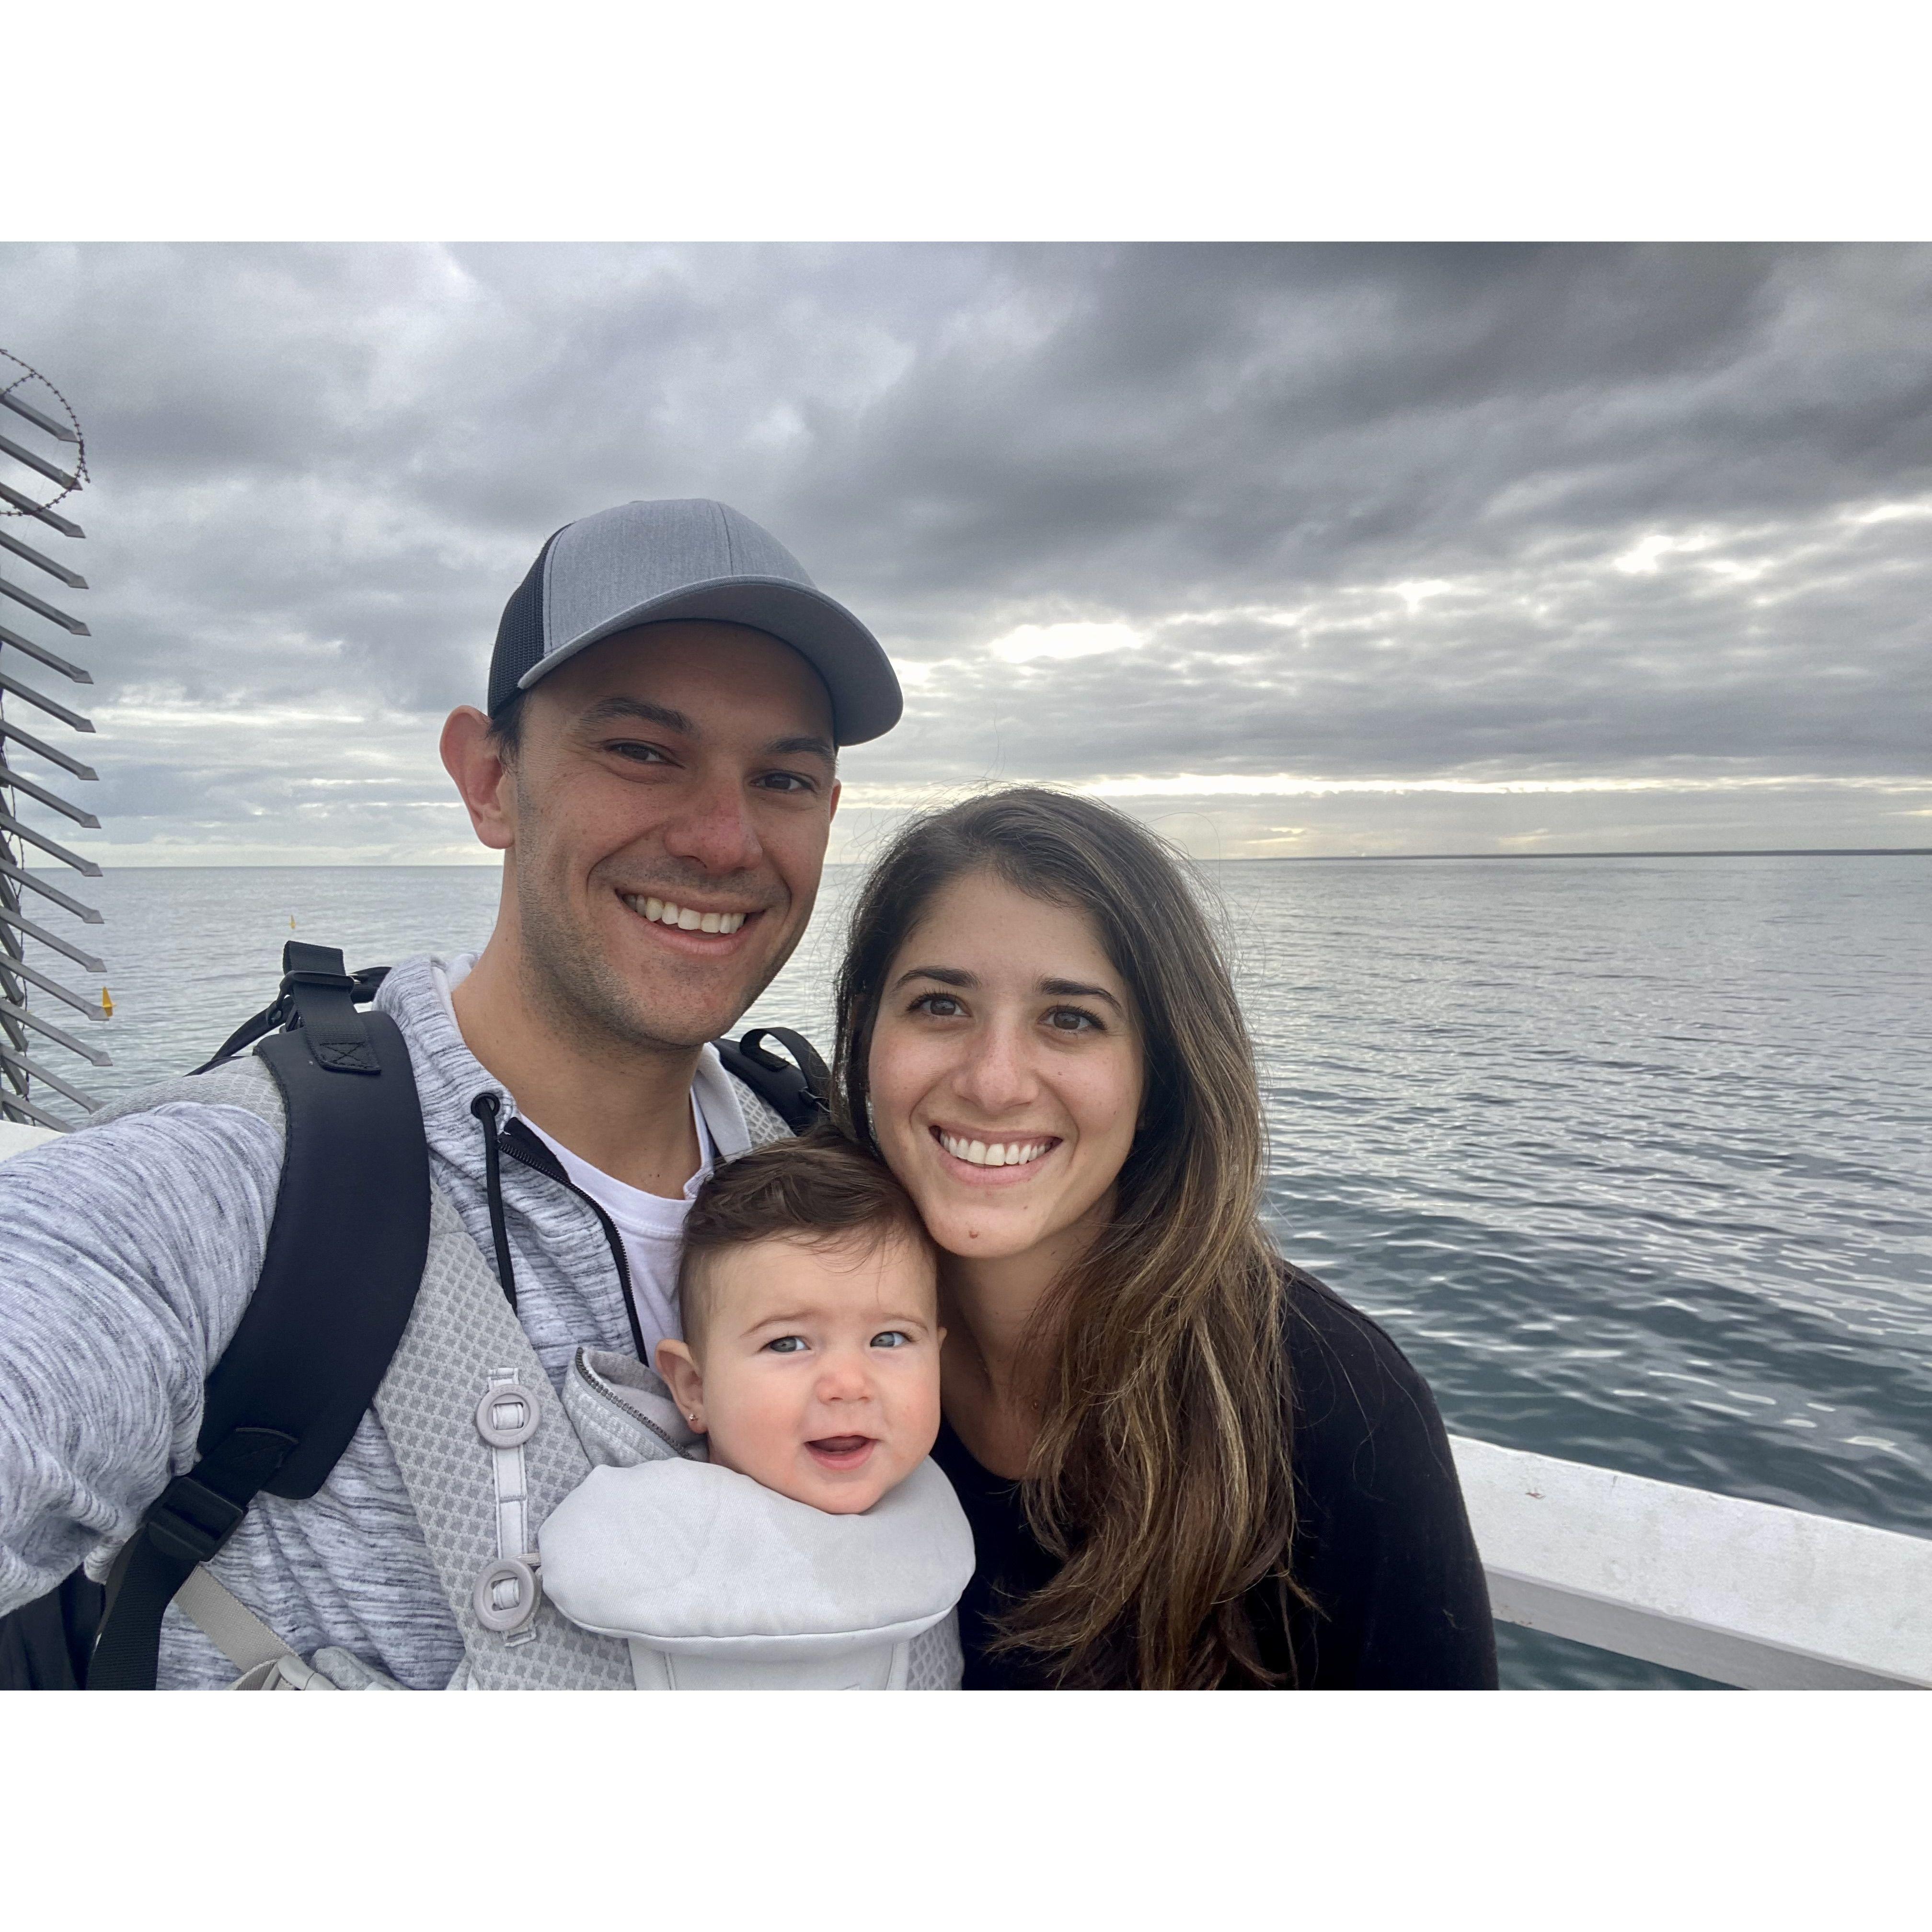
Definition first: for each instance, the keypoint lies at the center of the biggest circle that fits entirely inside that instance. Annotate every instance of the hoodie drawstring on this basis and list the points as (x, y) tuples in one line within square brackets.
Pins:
[(486, 1107)]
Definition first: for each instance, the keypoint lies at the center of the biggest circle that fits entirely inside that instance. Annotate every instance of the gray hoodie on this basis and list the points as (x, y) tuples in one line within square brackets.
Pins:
[(128, 1250)]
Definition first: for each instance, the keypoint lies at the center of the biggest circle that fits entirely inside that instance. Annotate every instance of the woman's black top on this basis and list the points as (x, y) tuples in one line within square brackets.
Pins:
[(1381, 1541)]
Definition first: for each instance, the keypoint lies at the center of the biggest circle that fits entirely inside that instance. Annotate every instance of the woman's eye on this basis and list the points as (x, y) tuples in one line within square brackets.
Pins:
[(1071, 1019), (940, 1006), (892, 1338), (787, 1344)]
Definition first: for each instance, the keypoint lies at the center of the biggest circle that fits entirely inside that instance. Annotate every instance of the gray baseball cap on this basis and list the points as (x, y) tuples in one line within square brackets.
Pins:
[(686, 557)]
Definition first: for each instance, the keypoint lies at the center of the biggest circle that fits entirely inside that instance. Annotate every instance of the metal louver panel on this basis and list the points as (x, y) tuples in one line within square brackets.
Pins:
[(43, 462)]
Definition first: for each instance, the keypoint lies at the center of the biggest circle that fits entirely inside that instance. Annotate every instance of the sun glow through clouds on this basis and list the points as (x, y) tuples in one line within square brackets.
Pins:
[(1031, 641)]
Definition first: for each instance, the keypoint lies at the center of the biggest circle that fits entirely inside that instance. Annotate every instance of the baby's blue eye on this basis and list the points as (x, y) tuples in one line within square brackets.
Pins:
[(892, 1338), (787, 1345)]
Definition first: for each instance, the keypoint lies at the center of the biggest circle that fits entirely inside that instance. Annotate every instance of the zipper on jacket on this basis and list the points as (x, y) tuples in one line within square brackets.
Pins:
[(524, 1148), (610, 1394)]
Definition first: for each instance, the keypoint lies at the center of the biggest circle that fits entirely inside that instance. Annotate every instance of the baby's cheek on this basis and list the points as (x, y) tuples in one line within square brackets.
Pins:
[(755, 1423)]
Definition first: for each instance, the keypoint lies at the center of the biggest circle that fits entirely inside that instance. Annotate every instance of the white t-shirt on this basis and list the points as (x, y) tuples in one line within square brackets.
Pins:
[(650, 1227)]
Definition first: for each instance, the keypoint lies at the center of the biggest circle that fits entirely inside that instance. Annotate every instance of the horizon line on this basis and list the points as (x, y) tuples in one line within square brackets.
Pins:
[(1661, 852), (1251, 859)]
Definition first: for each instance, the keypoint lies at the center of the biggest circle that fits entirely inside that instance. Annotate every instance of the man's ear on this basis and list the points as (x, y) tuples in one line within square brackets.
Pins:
[(485, 780), (685, 1379)]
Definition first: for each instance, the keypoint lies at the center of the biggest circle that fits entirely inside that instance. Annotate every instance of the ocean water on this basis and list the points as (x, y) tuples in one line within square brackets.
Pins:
[(1629, 1155)]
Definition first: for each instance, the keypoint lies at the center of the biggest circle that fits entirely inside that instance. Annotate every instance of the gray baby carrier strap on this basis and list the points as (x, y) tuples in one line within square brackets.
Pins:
[(486, 1452), (485, 1449)]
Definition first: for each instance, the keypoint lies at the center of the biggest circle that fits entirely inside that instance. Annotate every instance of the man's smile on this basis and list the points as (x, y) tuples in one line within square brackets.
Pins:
[(705, 930)]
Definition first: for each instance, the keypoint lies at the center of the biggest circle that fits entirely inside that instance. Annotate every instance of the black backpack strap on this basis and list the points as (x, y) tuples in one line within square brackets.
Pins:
[(799, 1091), (345, 1258)]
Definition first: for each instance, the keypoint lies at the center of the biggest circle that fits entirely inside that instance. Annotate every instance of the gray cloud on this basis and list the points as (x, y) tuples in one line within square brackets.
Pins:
[(1434, 515)]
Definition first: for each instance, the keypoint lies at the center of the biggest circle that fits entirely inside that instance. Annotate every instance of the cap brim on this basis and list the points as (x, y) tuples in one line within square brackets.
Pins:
[(866, 702)]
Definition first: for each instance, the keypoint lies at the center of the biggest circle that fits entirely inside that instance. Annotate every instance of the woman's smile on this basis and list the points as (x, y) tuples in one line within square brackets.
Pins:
[(990, 1157)]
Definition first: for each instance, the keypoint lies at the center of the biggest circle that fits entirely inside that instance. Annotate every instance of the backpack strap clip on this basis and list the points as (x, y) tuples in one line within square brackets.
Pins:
[(319, 993), (191, 1518), (195, 1515), (342, 982)]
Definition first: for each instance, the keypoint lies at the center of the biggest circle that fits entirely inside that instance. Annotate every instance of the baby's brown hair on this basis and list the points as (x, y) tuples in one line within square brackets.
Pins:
[(815, 1188)]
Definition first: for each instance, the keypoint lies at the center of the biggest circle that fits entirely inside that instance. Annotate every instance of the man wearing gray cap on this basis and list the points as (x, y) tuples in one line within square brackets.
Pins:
[(666, 697), (657, 765)]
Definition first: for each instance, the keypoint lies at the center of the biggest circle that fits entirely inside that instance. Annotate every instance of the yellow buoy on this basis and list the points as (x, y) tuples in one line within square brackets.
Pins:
[(106, 1003), (292, 922)]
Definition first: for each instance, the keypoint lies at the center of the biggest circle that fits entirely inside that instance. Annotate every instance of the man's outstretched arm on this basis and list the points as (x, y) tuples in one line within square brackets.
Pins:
[(127, 1253)]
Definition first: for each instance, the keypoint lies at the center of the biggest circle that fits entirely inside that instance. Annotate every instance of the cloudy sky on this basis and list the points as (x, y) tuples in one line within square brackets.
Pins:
[(1289, 550)]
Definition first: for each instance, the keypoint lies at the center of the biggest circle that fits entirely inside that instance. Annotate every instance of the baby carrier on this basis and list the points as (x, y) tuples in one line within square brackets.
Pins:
[(371, 1294), (715, 1583)]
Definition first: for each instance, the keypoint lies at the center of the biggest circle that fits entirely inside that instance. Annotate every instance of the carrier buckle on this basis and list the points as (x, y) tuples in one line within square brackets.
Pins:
[(191, 1520), (195, 1515)]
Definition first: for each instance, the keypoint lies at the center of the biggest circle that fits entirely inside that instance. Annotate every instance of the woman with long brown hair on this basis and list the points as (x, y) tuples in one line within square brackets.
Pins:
[(1187, 1464)]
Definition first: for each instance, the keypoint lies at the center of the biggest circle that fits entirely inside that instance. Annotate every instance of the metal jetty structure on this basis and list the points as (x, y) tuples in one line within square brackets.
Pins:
[(1739, 1592), (42, 465)]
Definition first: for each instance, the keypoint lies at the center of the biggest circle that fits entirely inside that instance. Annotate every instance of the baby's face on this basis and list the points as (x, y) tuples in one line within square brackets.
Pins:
[(817, 1371)]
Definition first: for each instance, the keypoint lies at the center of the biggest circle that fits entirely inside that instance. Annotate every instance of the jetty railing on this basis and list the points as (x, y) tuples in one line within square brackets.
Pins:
[(42, 463), (1743, 1593)]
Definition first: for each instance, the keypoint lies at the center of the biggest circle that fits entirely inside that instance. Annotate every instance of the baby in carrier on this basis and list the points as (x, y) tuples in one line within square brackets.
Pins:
[(793, 1532)]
